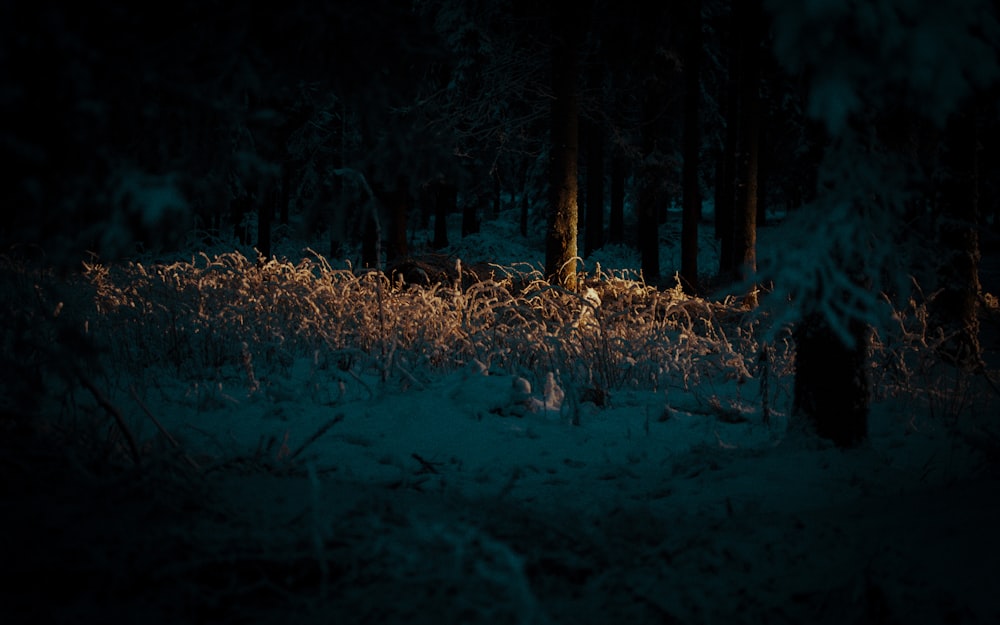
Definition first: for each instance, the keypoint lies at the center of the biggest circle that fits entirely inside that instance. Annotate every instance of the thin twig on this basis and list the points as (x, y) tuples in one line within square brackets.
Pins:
[(163, 430), (155, 421), (320, 432), (515, 475), (116, 415), (428, 466)]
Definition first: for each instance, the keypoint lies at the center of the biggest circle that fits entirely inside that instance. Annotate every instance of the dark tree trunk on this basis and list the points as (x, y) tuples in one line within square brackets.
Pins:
[(649, 198), (719, 162), (524, 215), (497, 192), (470, 217), (336, 232), (561, 245), (594, 232), (725, 197), (445, 203), (338, 202), (397, 203), (213, 225), (691, 146), (285, 193), (424, 206), (651, 172), (648, 234), (616, 220), (831, 384), (745, 222), (763, 165), (955, 306), (266, 200), (370, 239), (664, 200), (239, 207), (525, 180)]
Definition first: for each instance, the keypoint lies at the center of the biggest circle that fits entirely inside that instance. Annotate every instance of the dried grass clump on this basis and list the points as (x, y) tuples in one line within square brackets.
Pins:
[(227, 310), (910, 363)]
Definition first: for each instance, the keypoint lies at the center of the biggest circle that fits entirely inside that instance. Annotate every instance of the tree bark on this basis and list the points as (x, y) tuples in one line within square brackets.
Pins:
[(745, 222), (561, 244), (594, 232), (238, 208), (470, 216), (445, 202), (648, 235), (341, 202), (525, 180), (616, 218), (285, 193), (725, 194), (397, 205), (497, 192), (831, 384), (370, 235), (266, 200), (648, 196), (424, 205), (691, 141), (956, 305), (764, 163), (651, 174), (523, 225)]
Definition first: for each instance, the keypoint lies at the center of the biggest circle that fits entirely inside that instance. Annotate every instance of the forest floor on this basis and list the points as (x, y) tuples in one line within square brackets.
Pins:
[(433, 504)]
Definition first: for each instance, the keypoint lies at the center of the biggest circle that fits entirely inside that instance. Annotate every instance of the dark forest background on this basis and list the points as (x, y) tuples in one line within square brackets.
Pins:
[(132, 127)]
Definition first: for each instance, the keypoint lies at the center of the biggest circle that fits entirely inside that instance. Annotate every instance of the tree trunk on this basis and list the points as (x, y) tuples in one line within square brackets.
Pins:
[(425, 204), (763, 165), (649, 197), (725, 207), (239, 207), (996, 214), (648, 235), (831, 384), (955, 306), (523, 225), (561, 246), (266, 200), (397, 207), (616, 220), (745, 223), (470, 217), (445, 203), (594, 232), (497, 192), (525, 180), (651, 172), (285, 194), (370, 239), (691, 146), (335, 200)]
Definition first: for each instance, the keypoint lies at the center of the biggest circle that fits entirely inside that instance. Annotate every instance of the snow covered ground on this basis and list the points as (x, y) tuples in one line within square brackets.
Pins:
[(479, 496), (651, 506)]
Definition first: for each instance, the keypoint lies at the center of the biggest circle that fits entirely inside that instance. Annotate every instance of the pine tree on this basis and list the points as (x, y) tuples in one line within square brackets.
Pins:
[(844, 245)]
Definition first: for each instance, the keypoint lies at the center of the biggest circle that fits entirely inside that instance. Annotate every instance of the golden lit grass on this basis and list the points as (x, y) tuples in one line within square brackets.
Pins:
[(214, 312), (226, 316)]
